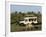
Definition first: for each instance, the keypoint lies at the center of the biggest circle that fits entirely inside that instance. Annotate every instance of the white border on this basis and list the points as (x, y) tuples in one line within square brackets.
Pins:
[(9, 34)]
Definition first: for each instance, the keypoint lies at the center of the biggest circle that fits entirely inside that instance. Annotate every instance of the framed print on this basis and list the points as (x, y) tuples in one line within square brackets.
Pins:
[(23, 18)]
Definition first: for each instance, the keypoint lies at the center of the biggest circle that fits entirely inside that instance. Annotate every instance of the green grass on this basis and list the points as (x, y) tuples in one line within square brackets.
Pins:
[(16, 28)]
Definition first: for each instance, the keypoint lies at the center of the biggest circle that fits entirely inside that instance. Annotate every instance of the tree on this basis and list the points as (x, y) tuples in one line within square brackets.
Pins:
[(28, 12), (20, 12), (15, 12)]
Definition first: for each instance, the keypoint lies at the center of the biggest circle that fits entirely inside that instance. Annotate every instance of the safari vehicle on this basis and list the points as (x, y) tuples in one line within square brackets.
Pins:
[(29, 20)]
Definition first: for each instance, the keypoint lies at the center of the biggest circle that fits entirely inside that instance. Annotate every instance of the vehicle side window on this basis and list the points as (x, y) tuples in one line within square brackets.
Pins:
[(26, 20), (34, 19), (30, 19)]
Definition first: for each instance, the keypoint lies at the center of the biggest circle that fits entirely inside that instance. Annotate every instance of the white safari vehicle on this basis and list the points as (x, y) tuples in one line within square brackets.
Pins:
[(29, 20)]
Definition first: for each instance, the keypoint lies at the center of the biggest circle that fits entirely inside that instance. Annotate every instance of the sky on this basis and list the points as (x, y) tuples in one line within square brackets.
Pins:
[(25, 8)]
